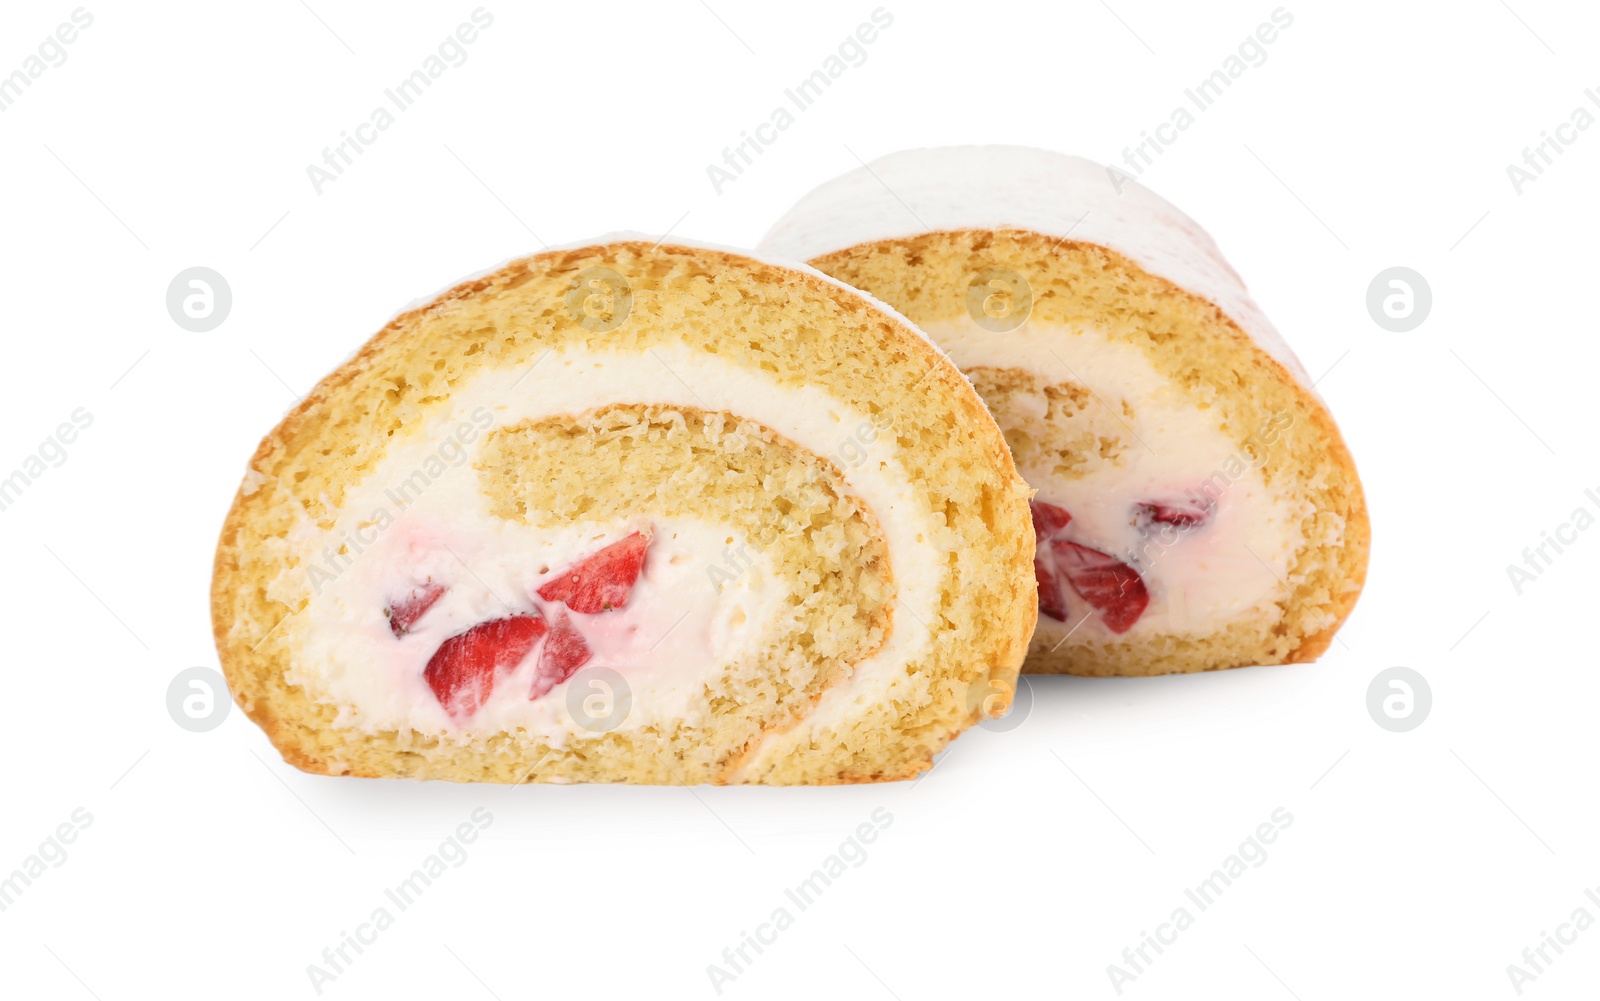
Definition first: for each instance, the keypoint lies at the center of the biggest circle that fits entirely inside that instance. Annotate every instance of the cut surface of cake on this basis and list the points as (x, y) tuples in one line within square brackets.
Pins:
[(625, 512), (1196, 506)]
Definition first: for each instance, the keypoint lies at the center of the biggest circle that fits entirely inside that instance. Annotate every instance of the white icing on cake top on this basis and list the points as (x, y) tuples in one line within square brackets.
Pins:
[(1014, 187)]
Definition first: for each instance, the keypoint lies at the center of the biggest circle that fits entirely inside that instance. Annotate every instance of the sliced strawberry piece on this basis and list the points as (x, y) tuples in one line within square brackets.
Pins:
[(1051, 601), (1186, 513), (463, 671), (602, 581), (1047, 519), (1110, 586), (564, 652), (405, 611)]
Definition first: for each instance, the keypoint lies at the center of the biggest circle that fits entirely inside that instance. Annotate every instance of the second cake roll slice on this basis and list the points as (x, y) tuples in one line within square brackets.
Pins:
[(1197, 508)]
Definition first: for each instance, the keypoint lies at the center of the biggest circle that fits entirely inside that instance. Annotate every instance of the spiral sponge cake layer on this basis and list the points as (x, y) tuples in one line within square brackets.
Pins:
[(834, 591), (630, 513), (1197, 508)]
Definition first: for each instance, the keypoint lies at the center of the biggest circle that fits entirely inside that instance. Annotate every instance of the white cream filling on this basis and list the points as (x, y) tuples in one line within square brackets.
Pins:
[(675, 626), (439, 523), (1198, 578)]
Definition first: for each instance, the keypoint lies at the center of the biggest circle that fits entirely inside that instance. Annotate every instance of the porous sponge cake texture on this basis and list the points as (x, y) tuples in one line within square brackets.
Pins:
[(620, 463), (1206, 355), (798, 330)]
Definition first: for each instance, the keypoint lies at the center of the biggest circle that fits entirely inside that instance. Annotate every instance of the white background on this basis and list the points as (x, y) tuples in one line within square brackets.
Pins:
[(1376, 134)]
